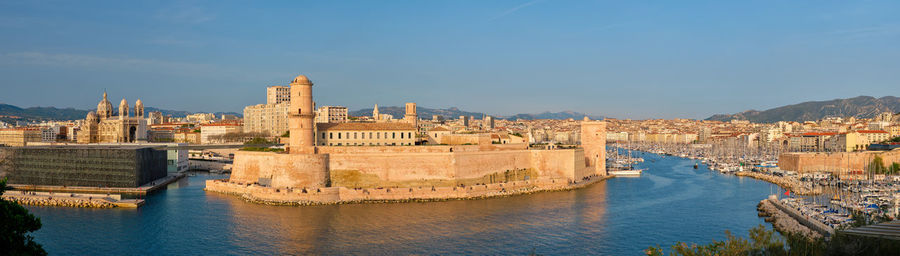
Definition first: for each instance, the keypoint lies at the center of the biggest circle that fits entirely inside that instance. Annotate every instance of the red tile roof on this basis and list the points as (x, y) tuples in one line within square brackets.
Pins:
[(871, 131), (819, 134), (365, 126)]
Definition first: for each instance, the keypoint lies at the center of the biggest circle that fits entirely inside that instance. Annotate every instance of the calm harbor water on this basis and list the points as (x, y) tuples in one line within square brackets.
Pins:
[(622, 216)]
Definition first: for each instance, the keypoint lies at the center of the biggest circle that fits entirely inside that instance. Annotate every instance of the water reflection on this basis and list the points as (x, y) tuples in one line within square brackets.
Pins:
[(469, 226)]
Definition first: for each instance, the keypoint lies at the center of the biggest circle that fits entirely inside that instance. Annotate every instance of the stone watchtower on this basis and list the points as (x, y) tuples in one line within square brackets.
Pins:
[(300, 117), (593, 140)]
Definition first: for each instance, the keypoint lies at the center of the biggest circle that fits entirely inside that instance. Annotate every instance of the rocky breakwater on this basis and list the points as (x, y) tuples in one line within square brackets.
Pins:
[(783, 222), (64, 200), (793, 185), (342, 195)]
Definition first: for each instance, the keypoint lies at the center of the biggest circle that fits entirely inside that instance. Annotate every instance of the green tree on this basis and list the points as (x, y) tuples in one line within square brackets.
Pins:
[(895, 168), (15, 225), (877, 165), (257, 141)]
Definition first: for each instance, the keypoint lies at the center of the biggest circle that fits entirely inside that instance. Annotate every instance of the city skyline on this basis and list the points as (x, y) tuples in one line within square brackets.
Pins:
[(624, 60)]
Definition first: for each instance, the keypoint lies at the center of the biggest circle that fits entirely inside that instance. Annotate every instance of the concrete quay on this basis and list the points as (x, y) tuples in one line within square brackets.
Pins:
[(783, 222), (341, 195), (142, 190), (71, 200), (788, 220)]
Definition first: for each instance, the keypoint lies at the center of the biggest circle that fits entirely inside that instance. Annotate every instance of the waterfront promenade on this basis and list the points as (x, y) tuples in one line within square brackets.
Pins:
[(142, 190), (71, 199)]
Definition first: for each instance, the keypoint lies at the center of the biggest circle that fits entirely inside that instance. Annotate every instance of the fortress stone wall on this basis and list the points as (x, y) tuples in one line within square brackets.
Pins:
[(411, 163), (839, 162), (281, 170)]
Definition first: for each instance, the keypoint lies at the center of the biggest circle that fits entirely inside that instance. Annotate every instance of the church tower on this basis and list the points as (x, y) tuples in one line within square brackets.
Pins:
[(104, 108), (123, 109), (300, 117), (375, 113), (139, 108), (411, 116)]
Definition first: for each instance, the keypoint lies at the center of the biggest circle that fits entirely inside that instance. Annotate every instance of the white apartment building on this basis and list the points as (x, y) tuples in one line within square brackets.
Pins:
[(201, 117), (267, 118), (278, 94), (332, 114), (208, 132)]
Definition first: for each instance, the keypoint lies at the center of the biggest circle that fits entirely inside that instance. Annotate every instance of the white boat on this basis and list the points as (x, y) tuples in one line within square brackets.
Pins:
[(627, 173)]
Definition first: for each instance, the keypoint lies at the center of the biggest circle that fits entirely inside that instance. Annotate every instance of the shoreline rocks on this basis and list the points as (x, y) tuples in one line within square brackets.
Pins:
[(781, 182), (59, 201)]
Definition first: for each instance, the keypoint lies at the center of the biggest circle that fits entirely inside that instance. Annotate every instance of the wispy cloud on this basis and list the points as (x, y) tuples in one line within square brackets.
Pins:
[(185, 14), (515, 9), (130, 64), (168, 41), (866, 32), (76, 60)]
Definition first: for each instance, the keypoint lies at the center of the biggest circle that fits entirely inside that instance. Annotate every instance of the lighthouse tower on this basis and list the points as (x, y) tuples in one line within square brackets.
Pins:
[(300, 117)]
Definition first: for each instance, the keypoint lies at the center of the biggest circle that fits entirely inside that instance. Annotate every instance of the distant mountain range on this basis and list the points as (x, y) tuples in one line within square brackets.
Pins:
[(453, 113), (11, 114), (859, 107)]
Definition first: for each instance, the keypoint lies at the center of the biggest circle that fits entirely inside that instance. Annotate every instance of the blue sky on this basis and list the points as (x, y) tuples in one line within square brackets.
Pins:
[(628, 59)]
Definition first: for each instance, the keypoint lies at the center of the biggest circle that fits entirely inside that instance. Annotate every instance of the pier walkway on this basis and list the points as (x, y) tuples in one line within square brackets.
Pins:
[(141, 191), (823, 229)]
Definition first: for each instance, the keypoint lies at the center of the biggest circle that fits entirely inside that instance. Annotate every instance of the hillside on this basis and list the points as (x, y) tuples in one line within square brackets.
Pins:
[(859, 107), (424, 113), (11, 114), (453, 113)]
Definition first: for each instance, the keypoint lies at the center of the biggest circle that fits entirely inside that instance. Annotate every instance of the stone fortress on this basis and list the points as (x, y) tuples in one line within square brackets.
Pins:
[(312, 173)]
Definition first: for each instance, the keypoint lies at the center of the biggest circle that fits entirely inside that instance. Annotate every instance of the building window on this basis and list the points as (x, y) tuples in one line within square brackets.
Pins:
[(393, 135), (409, 135), (354, 135), (370, 135), (331, 135), (323, 135), (401, 135), (379, 136), (339, 136)]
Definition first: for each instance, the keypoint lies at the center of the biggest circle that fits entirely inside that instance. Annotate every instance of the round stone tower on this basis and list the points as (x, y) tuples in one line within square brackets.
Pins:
[(300, 117)]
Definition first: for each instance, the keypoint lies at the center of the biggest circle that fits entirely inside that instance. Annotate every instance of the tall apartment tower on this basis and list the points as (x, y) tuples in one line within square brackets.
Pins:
[(300, 117), (411, 116), (278, 94), (593, 140), (488, 122)]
